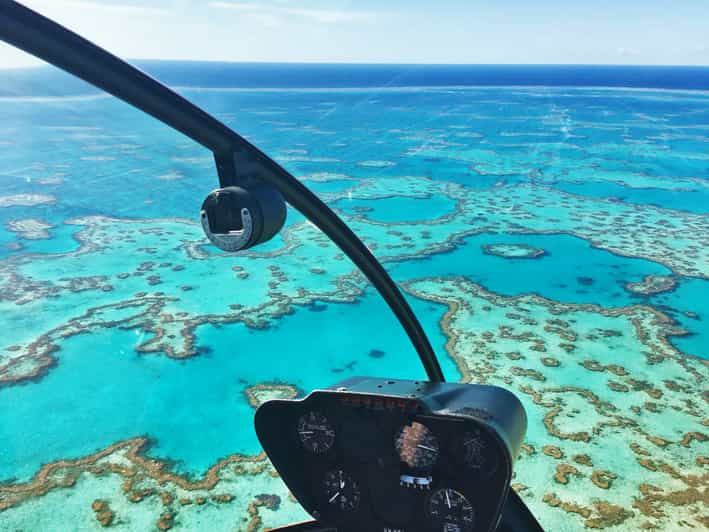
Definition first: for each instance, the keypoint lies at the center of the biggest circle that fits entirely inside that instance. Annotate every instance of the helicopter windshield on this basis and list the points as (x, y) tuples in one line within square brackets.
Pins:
[(551, 240)]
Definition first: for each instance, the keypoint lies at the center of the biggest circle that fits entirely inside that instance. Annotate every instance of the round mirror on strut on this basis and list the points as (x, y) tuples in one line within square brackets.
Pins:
[(236, 218)]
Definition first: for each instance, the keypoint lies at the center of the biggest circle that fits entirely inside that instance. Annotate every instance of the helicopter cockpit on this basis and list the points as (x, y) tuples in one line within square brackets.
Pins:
[(382, 454)]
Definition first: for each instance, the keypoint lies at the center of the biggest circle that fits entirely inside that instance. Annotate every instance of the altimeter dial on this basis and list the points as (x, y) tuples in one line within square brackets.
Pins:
[(417, 445), (451, 511), (315, 432), (341, 491)]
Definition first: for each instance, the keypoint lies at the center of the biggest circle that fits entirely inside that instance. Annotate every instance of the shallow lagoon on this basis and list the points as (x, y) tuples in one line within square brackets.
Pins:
[(81, 406), (572, 271), (398, 210)]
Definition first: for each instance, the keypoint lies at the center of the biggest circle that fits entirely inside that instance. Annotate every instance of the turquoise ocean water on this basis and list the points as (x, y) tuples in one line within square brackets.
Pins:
[(65, 157)]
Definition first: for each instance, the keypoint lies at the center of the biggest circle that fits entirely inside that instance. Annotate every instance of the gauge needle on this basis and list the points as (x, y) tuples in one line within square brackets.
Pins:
[(448, 499), (307, 431), (335, 496), (426, 448)]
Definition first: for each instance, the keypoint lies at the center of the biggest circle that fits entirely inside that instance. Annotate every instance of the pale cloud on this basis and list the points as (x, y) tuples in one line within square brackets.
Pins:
[(237, 6), (325, 16), (86, 5), (627, 52), (260, 14)]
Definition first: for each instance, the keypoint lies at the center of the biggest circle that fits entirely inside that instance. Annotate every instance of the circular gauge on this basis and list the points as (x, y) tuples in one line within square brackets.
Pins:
[(452, 510), (315, 432), (478, 453), (416, 445), (341, 491)]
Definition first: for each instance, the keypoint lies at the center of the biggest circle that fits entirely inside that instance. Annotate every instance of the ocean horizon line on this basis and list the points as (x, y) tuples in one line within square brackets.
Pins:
[(136, 60), (99, 94), (330, 76)]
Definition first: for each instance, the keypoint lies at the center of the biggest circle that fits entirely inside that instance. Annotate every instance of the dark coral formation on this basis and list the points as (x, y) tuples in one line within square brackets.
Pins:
[(603, 479), (103, 512), (166, 521), (563, 472), (553, 451)]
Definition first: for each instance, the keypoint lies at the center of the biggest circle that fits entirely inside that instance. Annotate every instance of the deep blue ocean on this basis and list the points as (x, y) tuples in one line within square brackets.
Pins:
[(304, 75)]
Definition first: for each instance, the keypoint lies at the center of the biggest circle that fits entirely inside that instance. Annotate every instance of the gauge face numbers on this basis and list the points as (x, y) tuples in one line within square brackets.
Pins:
[(478, 453), (417, 446), (341, 491), (452, 510), (315, 432)]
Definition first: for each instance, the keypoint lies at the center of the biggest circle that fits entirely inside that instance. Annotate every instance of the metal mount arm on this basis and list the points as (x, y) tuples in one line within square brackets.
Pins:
[(238, 161)]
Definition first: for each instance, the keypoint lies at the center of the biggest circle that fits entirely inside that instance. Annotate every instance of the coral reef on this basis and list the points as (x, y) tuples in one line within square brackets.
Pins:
[(30, 228), (653, 284), (513, 251), (26, 200), (265, 391), (639, 442)]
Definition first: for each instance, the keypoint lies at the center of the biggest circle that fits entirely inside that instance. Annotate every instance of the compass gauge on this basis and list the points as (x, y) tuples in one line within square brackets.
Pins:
[(315, 432), (341, 491)]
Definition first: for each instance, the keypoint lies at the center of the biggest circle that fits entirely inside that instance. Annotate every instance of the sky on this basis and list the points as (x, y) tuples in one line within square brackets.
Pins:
[(640, 32)]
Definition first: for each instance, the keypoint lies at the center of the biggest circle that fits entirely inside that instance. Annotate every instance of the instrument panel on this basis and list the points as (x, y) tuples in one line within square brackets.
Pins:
[(361, 462)]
